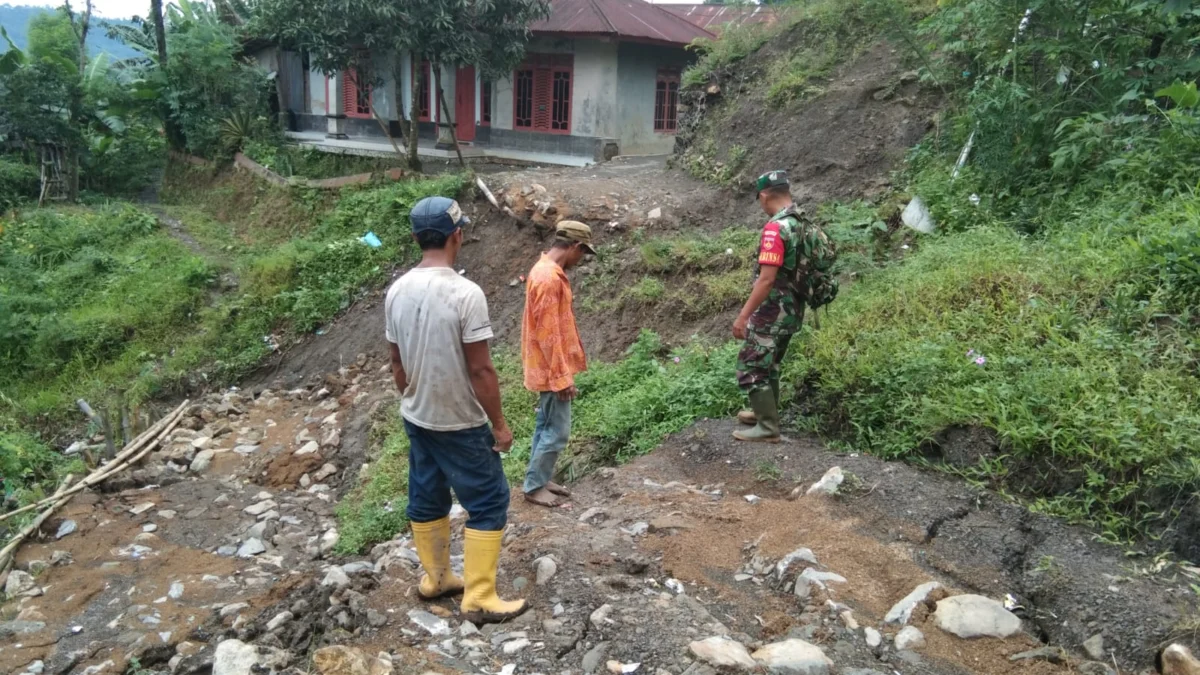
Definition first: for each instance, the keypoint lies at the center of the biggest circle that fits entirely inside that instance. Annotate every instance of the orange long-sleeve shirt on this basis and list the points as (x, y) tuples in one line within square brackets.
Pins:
[(551, 351)]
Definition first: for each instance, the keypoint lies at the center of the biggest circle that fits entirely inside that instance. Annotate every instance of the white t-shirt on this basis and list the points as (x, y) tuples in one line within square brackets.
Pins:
[(430, 312)]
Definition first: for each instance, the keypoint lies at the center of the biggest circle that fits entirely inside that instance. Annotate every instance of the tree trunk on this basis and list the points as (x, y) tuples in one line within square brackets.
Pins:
[(175, 140), (73, 156), (160, 32), (441, 97), (281, 92), (414, 162)]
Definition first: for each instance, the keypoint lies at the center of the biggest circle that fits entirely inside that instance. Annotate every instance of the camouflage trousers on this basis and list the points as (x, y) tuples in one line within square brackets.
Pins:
[(760, 360)]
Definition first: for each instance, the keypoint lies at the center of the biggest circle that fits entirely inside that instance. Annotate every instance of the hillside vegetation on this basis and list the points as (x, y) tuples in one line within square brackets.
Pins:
[(15, 20), (1053, 318)]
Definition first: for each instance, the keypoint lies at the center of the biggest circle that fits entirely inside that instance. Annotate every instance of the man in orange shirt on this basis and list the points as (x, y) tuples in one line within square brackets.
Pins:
[(552, 354)]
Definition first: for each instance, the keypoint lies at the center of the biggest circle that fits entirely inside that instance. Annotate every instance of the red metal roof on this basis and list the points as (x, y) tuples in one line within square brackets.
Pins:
[(714, 17), (631, 20)]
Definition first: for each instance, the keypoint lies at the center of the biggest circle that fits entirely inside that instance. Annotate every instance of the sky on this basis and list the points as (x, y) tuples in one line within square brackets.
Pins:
[(123, 9), (108, 9)]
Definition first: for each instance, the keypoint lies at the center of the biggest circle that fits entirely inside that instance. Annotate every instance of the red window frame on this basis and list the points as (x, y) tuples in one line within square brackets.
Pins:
[(485, 103), (424, 87), (542, 93), (352, 96), (666, 101)]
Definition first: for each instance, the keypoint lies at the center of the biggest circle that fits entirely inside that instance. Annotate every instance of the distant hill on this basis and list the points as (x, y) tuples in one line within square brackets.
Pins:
[(15, 20)]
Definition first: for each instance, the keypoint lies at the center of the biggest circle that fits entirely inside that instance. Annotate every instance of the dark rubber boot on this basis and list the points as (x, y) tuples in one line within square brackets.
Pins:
[(766, 411)]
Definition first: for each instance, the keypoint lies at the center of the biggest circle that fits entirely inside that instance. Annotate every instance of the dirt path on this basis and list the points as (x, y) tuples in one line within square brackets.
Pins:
[(227, 536)]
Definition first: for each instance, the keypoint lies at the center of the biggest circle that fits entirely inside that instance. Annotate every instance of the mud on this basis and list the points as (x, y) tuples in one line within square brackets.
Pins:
[(842, 144), (1071, 585)]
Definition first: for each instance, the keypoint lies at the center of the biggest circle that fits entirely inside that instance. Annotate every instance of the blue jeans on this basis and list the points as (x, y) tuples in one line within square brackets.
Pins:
[(550, 435), (439, 461)]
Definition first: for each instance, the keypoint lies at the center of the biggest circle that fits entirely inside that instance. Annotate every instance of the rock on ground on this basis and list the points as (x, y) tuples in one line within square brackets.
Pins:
[(794, 657), (971, 616), (19, 583), (342, 660), (829, 483), (546, 569), (13, 628), (723, 653), (874, 638), (909, 637), (234, 657), (1178, 660), (901, 612)]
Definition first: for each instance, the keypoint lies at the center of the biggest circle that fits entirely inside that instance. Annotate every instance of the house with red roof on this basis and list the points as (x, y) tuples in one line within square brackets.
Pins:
[(600, 78)]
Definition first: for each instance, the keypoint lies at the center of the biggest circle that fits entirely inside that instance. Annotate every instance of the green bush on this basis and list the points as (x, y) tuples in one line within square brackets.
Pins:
[(18, 182), (1057, 344), (95, 302)]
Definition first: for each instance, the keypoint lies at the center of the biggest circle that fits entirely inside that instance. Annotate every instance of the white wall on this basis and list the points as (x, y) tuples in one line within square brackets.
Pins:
[(383, 96), (637, 72), (502, 104), (594, 89), (316, 92)]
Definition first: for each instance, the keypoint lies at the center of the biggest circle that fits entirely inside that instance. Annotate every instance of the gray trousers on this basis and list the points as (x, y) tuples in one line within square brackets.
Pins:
[(550, 434)]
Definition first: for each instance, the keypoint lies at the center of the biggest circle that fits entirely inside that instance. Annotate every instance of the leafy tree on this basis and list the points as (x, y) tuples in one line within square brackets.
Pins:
[(339, 35), (194, 79), (1055, 88), (52, 37)]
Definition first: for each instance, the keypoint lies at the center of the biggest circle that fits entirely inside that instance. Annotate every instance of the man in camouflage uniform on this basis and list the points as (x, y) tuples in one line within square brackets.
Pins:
[(774, 311)]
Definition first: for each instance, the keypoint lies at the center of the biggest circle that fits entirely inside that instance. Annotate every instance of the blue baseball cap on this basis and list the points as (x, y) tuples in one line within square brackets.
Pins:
[(440, 214)]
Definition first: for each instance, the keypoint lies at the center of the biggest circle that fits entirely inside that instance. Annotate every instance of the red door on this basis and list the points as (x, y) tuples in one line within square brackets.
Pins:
[(464, 104)]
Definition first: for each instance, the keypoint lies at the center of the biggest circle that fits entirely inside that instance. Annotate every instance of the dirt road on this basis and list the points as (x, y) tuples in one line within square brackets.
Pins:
[(227, 535)]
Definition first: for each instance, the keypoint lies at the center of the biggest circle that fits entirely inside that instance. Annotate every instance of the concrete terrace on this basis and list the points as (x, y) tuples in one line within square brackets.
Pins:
[(381, 147)]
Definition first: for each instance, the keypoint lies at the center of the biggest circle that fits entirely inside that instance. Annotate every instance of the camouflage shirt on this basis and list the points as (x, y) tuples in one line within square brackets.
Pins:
[(783, 310)]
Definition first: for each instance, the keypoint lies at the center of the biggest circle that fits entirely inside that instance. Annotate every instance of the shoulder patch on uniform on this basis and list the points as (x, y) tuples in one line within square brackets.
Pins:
[(771, 248)]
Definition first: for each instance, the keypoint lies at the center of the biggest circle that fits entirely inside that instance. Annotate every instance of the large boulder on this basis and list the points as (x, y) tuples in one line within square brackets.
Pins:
[(794, 657), (972, 616), (721, 652)]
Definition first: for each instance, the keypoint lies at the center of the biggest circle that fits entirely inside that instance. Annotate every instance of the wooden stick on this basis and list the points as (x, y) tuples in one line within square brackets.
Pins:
[(58, 499), (147, 440)]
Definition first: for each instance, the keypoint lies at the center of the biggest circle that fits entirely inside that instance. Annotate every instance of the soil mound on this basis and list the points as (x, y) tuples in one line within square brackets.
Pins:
[(841, 144)]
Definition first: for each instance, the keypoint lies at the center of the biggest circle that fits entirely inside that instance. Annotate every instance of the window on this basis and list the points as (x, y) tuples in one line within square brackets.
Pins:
[(542, 93), (423, 87), (666, 101), (560, 118), (523, 106), (485, 103), (356, 94)]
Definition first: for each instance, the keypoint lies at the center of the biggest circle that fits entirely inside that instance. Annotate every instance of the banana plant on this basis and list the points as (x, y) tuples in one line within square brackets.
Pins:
[(12, 58)]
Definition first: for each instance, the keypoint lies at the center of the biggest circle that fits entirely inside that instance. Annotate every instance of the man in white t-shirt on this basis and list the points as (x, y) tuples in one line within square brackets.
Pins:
[(438, 331)]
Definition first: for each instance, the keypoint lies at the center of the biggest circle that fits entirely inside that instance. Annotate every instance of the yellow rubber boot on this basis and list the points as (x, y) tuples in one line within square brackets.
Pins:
[(480, 604), (433, 548)]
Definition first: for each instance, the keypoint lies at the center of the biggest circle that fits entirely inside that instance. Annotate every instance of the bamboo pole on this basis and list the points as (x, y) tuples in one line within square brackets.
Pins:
[(142, 445), (59, 499)]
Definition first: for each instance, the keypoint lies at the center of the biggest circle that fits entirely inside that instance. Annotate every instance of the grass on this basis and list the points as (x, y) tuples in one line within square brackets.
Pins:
[(107, 305), (766, 471), (647, 291), (1089, 375), (736, 43), (291, 160)]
